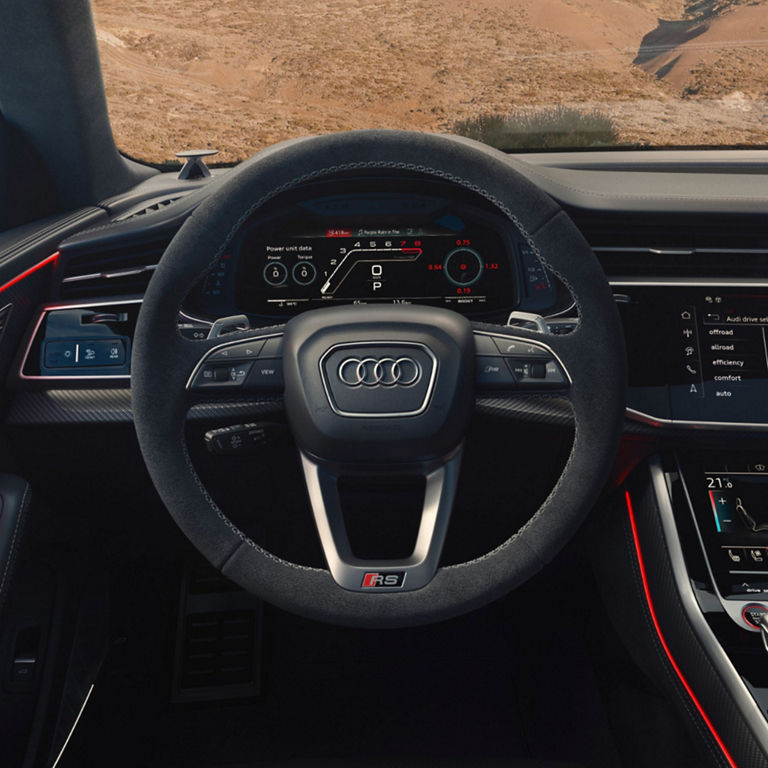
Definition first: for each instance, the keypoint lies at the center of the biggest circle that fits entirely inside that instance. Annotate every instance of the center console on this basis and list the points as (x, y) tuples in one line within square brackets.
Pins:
[(679, 557)]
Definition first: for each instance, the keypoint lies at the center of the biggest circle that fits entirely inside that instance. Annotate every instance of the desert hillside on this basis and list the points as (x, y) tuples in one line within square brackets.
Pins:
[(242, 74)]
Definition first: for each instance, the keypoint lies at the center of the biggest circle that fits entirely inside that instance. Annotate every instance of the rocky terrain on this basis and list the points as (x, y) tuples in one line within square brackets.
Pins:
[(242, 74)]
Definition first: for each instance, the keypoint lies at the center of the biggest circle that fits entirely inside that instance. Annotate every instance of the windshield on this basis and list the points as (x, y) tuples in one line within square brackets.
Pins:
[(517, 74)]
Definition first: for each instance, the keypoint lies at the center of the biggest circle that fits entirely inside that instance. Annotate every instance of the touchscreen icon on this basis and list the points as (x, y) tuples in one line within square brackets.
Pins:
[(691, 369), (685, 315), (734, 556), (754, 522)]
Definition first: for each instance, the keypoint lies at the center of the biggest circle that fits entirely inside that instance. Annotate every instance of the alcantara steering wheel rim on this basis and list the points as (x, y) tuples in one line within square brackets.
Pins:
[(592, 355)]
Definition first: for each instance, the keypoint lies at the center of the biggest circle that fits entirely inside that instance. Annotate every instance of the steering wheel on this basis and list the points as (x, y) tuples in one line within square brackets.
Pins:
[(383, 390)]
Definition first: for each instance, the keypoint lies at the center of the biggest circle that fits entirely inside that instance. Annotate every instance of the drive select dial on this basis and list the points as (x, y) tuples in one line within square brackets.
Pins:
[(463, 266)]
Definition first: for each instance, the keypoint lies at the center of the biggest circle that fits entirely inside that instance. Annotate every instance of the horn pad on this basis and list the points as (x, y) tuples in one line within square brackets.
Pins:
[(379, 385)]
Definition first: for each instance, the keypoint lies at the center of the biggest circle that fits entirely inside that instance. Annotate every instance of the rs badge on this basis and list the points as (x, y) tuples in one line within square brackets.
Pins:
[(386, 579)]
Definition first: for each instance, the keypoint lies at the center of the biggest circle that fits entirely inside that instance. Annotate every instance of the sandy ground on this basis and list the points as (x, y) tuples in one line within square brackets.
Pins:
[(241, 74)]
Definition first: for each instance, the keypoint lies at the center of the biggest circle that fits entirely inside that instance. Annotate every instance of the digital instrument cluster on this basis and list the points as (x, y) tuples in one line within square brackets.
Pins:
[(378, 242), (349, 264)]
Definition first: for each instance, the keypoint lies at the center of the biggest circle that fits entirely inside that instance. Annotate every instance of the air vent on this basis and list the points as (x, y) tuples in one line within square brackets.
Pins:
[(665, 245), (147, 208), (680, 262), (117, 272), (672, 231)]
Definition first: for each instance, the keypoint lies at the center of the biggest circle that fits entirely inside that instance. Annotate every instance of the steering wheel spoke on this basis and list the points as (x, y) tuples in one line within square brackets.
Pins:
[(358, 575)]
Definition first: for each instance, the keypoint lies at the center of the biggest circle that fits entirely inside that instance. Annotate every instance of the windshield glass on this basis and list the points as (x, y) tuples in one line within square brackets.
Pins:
[(517, 74)]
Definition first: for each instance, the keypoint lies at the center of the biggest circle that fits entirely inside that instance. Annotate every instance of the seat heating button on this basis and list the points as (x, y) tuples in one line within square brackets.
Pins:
[(734, 557), (757, 555)]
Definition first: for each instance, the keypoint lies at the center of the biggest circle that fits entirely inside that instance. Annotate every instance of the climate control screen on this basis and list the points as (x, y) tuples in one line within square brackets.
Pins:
[(363, 264), (729, 496)]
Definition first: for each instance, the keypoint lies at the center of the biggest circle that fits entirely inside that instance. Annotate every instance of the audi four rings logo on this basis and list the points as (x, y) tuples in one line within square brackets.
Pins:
[(387, 371)]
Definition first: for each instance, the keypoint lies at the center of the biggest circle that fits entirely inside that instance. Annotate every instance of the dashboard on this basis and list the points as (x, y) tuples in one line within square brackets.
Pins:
[(698, 350)]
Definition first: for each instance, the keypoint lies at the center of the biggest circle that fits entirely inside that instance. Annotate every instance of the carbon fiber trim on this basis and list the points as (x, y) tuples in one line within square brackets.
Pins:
[(533, 409), (243, 408), (105, 406), (548, 409), (101, 406)]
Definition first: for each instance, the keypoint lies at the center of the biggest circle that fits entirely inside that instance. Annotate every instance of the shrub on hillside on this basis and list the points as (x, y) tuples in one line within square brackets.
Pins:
[(551, 128)]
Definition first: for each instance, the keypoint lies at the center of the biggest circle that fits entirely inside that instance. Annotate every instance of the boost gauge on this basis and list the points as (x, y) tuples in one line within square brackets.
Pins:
[(463, 266)]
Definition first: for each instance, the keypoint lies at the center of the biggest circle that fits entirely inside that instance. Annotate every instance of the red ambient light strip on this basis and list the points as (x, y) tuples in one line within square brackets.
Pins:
[(663, 642), (30, 271)]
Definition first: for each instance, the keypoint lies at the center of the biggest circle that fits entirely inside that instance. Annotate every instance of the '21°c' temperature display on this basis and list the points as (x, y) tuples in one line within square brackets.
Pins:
[(344, 265)]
